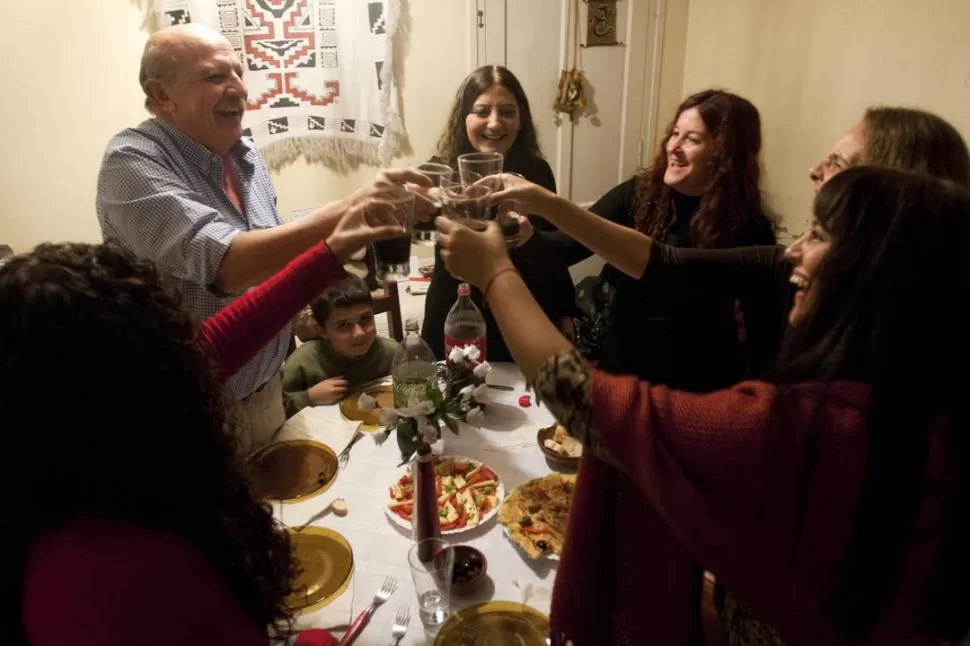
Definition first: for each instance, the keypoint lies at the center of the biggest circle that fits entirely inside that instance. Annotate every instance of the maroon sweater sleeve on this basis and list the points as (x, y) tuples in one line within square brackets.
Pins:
[(103, 583), (760, 484), (238, 331), (698, 458)]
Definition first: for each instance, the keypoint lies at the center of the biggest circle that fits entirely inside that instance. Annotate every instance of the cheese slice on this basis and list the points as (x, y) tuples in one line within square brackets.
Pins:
[(471, 509), (448, 513)]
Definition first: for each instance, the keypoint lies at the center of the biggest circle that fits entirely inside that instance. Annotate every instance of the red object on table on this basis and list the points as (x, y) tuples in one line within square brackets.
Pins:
[(525, 401), (424, 519), (315, 637)]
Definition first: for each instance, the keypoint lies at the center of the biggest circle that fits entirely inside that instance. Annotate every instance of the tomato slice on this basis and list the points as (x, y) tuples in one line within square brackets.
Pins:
[(482, 475)]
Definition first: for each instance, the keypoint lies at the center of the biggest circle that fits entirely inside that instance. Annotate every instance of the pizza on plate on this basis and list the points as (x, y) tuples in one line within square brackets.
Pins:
[(466, 492), (534, 514)]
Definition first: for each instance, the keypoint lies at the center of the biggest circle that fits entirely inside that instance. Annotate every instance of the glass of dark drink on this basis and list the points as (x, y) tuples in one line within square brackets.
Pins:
[(392, 256), (467, 205), (440, 175), (478, 168)]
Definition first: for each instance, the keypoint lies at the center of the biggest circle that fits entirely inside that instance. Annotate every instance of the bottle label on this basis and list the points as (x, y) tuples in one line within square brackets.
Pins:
[(406, 390), (479, 342)]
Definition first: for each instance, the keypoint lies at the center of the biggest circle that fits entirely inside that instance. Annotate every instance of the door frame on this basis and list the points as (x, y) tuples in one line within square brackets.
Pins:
[(641, 90)]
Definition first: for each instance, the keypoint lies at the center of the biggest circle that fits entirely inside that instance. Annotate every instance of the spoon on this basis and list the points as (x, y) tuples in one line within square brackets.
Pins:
[(337, 506)]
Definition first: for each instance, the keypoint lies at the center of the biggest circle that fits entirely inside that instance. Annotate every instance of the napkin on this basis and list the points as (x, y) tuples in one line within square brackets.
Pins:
[(321, 424), (418, 286)]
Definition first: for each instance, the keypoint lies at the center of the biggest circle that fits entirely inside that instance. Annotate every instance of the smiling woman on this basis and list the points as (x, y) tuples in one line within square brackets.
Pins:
[(491, 114), (701, 191)]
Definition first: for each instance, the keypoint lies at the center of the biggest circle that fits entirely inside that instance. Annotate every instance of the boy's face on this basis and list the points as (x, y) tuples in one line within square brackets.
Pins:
[(351, 330)]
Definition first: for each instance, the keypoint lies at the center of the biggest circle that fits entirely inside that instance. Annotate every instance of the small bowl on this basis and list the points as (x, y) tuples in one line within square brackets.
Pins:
[(467, 556), (561, 461)]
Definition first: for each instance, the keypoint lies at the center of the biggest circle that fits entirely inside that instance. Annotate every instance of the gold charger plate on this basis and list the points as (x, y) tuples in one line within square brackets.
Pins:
[(293, 470), (382, 390), (326, 563), (495, 623)]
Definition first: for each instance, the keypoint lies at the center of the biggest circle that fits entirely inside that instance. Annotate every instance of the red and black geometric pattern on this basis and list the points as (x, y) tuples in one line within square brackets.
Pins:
[(294, 53)]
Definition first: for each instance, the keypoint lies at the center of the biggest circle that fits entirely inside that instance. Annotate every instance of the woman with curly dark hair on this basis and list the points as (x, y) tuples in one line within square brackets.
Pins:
[(126, 515), (888, 136), (701, 191), (491, 114)]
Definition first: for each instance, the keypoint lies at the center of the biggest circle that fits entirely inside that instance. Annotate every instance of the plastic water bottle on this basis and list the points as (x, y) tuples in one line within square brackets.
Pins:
[(465, 324), (413, 367)]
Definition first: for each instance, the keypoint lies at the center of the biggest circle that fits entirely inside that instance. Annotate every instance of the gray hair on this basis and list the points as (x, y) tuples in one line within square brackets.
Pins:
[(157, 64)]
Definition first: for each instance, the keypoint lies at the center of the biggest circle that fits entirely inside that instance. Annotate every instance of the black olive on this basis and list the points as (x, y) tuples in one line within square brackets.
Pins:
[(534, 507), (542, 545), (525, 522)]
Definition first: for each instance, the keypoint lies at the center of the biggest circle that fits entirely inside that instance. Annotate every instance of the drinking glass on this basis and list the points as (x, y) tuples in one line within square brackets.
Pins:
[(439, 174), (392, 256), (432, 562), (474, 166), (467, 205)]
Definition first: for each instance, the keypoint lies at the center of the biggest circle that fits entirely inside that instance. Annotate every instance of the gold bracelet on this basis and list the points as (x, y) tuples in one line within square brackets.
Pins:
[(491, 281)]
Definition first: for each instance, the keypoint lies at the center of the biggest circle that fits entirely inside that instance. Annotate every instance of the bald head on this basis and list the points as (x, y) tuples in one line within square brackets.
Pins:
[(168, 49)]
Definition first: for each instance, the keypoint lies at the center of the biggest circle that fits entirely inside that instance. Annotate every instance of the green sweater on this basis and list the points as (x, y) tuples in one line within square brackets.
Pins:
[(316, 360)]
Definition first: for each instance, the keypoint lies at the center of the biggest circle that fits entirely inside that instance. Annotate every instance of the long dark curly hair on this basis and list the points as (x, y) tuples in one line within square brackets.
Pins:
[(886, 315), (110, 410), (732, 208), (454, 141)]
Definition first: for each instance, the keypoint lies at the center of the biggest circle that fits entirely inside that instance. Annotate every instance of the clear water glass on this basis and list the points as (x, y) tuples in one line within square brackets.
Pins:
[(432, 562)]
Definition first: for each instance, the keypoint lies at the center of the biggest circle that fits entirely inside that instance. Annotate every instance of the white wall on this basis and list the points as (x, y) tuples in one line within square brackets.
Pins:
[(69, 73), (812, 68)]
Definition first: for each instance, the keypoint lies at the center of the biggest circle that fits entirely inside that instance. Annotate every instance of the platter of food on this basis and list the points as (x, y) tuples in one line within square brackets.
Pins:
[(468, 494), (534, 514)]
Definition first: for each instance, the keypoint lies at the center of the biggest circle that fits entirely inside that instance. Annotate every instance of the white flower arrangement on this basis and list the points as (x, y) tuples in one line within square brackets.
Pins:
[(458, 396)]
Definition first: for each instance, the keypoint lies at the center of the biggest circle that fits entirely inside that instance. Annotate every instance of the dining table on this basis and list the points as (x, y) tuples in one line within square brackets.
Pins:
[(506, 442)]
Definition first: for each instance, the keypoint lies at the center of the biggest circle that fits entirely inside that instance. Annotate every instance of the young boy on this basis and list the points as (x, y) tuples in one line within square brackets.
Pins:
[(348, 353)]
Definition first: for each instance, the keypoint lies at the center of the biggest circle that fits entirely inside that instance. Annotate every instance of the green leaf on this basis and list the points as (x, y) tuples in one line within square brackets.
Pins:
[(433, 393), (451, 423)]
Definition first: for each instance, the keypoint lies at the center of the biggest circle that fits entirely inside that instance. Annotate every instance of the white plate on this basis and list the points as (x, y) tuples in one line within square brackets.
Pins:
[(499, 491)]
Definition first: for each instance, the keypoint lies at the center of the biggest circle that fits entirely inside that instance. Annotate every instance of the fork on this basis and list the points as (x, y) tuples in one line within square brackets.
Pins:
[(400, 626), (344, 456), (382, 595)]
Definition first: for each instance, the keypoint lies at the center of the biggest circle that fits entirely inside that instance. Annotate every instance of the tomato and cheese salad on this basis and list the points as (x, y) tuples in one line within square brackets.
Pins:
[(466, 492)]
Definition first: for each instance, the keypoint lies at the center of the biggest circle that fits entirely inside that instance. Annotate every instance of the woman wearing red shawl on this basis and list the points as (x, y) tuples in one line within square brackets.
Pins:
[(832, 498)]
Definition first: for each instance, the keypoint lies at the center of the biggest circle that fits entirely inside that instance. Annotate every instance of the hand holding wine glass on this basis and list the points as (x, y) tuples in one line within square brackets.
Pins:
[(365, 222), (526, 196), (391, 181), (474, 256)]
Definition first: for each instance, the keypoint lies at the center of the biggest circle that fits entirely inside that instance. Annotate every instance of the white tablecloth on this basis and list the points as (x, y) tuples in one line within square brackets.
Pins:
[(506, 443)]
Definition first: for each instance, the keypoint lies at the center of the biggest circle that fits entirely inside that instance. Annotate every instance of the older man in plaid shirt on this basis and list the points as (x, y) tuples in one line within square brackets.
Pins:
[(187, 191)]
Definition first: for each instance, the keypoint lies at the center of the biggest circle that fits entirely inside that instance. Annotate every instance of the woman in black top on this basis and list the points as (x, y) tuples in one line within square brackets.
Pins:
[(901, 138), (491, 114), (702, 191)]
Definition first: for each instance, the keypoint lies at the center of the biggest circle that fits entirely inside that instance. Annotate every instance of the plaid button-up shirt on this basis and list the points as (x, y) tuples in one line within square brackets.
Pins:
[(160, 194)]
